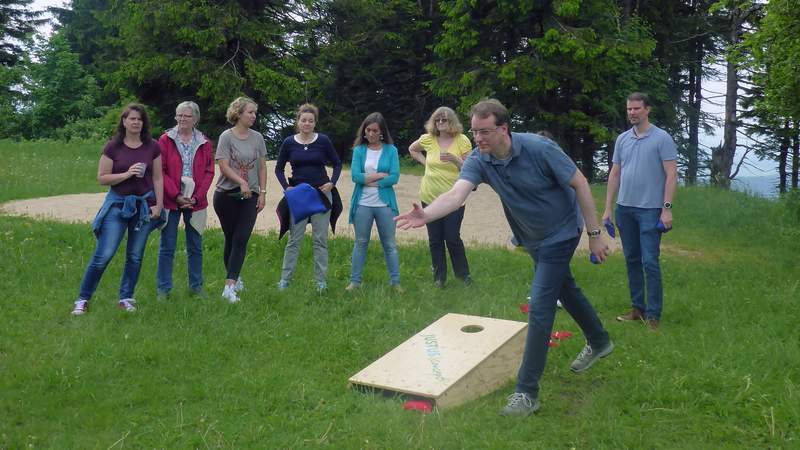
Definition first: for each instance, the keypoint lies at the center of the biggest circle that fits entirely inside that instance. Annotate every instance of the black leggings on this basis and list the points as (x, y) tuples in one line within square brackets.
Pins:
[(237, 218)]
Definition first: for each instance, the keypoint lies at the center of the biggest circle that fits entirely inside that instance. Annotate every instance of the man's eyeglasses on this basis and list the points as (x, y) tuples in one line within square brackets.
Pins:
[(483, 132)]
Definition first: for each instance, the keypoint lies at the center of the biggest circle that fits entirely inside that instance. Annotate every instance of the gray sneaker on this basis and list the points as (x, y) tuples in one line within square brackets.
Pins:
[(589, 356), (520, 404)]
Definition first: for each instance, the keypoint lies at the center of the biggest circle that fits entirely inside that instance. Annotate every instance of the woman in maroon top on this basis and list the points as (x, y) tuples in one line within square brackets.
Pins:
[(131, 166)]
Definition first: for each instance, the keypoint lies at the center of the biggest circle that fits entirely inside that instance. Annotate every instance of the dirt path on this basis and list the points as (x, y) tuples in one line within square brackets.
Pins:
[(484, 221)]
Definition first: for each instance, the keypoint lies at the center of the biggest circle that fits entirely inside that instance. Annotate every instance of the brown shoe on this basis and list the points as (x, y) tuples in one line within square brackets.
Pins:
[(652, 324), (634, 314)]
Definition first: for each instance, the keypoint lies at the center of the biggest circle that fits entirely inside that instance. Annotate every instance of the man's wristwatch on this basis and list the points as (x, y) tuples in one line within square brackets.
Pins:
[(667, 205), (593, 233)]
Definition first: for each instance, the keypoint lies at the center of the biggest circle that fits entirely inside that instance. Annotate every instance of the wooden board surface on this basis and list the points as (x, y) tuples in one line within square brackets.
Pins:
[(446, 356)]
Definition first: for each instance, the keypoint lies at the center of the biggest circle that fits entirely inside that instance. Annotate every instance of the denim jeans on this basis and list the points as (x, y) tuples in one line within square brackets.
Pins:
[(362, 223), (166, 252), (111, 233), (319, 241), (447, 230), (553, 280), (641, 243)]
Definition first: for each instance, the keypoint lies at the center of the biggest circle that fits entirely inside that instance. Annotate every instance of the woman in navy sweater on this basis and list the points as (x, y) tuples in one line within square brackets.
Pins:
[(308, 153)]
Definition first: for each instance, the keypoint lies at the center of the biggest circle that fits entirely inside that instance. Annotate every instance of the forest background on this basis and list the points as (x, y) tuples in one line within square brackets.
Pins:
[(561, 65)]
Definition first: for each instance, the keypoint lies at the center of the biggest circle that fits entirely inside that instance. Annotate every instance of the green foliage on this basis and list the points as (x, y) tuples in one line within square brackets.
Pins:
[(12, 100), (776, 47), (565, 67), (61, 91), (18, 23), (362, 56)]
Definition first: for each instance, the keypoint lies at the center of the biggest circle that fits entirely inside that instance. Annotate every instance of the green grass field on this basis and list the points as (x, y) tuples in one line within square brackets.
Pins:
[(271, 372)]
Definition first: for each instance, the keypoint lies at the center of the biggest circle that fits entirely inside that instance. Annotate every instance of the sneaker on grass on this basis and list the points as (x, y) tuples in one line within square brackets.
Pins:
[(520, 404), (81, 306), (229, 293), (128, 304), (239, 286), (283, 284), (588, 356)]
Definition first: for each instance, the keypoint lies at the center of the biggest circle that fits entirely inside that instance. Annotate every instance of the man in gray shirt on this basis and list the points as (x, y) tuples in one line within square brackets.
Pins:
[(644, 171), (540, 188)]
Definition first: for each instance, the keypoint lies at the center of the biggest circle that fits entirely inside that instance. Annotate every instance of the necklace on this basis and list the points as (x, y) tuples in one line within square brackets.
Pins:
[(302, 141)]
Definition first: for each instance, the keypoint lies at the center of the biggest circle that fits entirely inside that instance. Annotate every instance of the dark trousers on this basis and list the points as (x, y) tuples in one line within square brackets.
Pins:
[(552, 280), (237, 218), (447, 231)]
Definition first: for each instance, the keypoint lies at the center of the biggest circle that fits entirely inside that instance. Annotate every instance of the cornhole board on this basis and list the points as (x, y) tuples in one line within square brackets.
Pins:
[(454, 360)]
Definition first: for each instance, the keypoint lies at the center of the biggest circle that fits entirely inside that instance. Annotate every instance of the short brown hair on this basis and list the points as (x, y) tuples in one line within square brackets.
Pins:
[(236, 109), (488, 107), (640, 97)]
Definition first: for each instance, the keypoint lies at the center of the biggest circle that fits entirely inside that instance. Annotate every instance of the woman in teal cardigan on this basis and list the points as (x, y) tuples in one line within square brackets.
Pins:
[(375, 169)]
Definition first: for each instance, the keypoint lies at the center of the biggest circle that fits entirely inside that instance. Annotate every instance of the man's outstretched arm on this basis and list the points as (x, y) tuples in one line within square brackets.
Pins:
[(442, 206)]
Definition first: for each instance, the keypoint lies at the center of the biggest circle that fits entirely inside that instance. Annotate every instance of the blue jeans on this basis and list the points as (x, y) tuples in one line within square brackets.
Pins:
[(553, 280), (166, 252), (362, 223), (641, 244), (111, 232)]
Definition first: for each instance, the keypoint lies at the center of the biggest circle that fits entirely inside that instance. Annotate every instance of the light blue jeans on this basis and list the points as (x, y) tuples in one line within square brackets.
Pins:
[(112, 230), (166, 252), (362, 223)]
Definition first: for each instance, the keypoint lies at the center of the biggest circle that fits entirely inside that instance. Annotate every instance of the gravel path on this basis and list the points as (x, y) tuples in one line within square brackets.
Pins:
[(484, 222)]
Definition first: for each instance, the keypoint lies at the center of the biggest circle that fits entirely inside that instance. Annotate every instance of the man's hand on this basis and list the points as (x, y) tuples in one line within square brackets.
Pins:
[(412, 219), (666, 218), (598, 248)]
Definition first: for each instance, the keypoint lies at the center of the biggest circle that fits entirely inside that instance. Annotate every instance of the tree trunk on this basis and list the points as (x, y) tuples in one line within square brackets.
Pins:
[(695, 103), (783, 154), (722, 157), (795, 154), (587, 157)]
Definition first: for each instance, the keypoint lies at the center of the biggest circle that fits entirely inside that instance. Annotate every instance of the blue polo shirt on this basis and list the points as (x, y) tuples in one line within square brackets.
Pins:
[(640, 158), (533, 185)]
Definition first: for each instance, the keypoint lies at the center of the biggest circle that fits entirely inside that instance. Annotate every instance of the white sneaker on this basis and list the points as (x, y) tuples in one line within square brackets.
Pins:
[(128, 304), (239, 286), (229, 293), (81, 306)]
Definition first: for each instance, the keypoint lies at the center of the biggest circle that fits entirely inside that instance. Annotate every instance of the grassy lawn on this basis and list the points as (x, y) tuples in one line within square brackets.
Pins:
[(271, 372)]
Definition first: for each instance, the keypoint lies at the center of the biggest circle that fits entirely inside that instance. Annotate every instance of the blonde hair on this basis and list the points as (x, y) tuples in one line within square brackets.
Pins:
[(454, 126), (237, 107), (303, 109)]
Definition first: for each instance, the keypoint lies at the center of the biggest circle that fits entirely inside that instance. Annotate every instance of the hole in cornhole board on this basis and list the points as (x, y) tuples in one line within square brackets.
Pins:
[(455, 359)]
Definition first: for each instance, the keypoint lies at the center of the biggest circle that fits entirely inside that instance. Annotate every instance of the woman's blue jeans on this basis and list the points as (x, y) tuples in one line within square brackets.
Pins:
[(111, 233), (552, 280), (641, 244), (166, 252), (362, 223)]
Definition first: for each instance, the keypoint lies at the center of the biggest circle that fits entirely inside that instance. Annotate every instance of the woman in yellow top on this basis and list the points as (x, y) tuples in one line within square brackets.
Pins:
[(445, 148)]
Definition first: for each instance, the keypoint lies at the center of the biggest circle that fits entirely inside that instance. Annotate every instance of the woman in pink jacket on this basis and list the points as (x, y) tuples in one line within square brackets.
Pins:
[(188, 166)]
